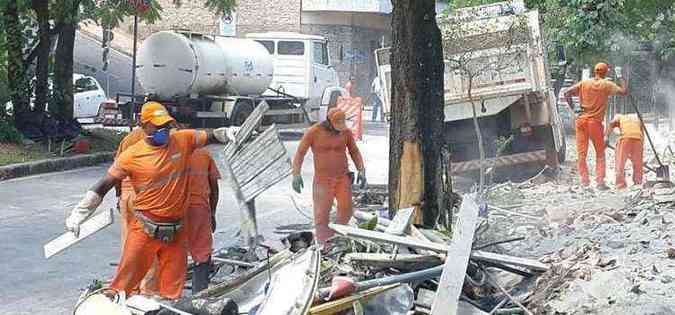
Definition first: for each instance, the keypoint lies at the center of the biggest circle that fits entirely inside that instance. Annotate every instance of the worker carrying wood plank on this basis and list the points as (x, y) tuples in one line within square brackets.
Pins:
[(329, 142), (593, 95), (630, 146), (125, 205), (201, 215), (158, 170)]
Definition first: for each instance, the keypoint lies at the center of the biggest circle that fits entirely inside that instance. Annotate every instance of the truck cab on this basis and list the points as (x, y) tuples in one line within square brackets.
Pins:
[(302, 66)]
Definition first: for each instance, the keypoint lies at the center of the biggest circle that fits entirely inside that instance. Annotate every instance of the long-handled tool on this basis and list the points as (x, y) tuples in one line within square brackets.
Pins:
[(662, 171)]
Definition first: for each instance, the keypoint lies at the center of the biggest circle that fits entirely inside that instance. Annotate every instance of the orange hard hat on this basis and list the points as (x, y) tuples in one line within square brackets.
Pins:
[(337, 118), (601, 68), (155, 113)]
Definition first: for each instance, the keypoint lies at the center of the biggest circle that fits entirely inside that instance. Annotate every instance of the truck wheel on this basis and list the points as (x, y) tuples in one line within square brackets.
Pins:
[(242, 110)]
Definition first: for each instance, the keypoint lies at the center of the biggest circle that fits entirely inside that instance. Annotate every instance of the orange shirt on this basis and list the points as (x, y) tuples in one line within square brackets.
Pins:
[(134, 136), (159, 174), (593, 96), (630, 126), (329, 149), (202, 168)]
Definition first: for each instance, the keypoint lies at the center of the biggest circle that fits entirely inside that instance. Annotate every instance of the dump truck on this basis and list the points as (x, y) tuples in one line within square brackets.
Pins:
[(215, 80), (510, 86)]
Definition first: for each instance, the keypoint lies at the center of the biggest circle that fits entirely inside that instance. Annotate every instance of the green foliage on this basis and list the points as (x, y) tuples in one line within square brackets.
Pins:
[(594, 30), (8, 133), (220, 6)]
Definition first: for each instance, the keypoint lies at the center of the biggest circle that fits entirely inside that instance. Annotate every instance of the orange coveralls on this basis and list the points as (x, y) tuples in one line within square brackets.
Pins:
[(331, 178), (630, 146), (149, 284), (198, 216), (593, 95), (159, 178)]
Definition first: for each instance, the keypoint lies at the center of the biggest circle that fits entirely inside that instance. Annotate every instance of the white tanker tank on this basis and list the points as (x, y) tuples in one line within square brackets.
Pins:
[(174, 64)]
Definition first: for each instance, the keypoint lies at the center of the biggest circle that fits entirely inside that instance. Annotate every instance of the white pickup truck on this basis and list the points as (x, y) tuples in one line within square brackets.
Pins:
[(514, 100)]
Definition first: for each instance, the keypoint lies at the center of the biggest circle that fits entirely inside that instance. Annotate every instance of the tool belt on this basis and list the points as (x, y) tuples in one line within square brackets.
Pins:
[(163, 231)]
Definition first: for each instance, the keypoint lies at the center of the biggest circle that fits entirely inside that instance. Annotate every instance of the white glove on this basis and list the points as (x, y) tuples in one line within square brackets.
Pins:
[(617, 71), (225, 134), (83, 211)]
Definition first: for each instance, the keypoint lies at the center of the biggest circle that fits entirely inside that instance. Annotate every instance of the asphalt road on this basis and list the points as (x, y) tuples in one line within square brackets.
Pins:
[(33, 210), (88, 60)]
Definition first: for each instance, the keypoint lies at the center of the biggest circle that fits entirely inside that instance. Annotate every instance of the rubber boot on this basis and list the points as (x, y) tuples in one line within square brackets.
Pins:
[(200, 276)]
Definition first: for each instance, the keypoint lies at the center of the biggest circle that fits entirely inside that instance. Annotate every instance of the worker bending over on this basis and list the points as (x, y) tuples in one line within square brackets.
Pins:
[(157, 168), (593, 95), (630, 146), (329, 142), (201, 215)]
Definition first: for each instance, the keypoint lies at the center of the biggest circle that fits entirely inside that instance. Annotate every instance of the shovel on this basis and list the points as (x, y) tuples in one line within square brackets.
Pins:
[(662, 171)]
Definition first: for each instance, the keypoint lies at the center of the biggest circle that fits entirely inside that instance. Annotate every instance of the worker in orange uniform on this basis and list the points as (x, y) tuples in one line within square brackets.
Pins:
[(157, 168), (201, 215), (593, 95), (329, 141), (630, 146), (125, 205)]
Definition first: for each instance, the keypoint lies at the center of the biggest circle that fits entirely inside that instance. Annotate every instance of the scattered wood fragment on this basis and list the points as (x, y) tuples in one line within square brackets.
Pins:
[(408, 262), (452, 278)]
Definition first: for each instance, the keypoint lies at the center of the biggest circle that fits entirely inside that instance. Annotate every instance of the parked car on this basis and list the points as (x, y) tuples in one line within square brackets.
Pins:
[(87, 96)]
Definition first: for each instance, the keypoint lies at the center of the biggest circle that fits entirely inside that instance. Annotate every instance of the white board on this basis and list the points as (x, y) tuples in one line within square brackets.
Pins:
[(88, 228)]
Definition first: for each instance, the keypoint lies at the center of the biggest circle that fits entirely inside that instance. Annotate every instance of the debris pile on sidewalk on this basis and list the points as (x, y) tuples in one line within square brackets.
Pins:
[(610, 252)]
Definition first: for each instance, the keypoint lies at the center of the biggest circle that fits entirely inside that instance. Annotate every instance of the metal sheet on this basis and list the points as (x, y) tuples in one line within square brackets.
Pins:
[(89, 227)]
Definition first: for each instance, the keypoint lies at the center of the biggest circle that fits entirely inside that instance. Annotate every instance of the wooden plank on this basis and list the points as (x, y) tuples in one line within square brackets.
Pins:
[(399, 225), (407, 241), (269, 177), (509, 260), (384, 237), (247, 128), (346, 303), (410, 262), (454, 270), (248, 223), (88, 228)]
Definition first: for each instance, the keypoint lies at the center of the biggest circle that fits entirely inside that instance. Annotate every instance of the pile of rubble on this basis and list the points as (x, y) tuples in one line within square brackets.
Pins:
[(610, 252)]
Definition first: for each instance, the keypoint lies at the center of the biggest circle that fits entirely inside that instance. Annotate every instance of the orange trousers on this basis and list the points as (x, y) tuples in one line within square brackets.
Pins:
[(138, 254), (200, 240), (148, 285), (593, 130), (625, 150), (324, 191)]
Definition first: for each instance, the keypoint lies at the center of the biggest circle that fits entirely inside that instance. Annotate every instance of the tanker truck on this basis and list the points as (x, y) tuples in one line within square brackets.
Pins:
[(208, 80), (515, 101)]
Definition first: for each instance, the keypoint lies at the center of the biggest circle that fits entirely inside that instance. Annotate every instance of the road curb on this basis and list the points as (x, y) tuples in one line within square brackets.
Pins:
[(53, 165)]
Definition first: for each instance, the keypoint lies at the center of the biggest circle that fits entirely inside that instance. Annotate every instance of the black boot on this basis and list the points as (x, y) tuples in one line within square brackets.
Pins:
[(200, 276)]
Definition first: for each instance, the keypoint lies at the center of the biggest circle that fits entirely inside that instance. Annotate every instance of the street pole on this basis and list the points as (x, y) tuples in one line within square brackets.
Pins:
[(133, 75)]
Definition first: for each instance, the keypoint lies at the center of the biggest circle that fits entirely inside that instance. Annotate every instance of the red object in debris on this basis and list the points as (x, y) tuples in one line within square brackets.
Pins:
[(81, 147)]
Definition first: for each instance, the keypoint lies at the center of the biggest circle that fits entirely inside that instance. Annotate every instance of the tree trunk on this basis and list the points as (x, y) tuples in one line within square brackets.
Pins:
[(63, 70), (17, 80), (416, 132), (41, 8)]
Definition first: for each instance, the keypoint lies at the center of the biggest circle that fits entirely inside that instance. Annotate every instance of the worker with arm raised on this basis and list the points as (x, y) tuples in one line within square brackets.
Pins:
[(157, 168), (593, 95), (329, 142)]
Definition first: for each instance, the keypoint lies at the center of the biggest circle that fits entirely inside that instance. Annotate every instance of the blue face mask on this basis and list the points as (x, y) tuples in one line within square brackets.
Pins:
[(160, 137)]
